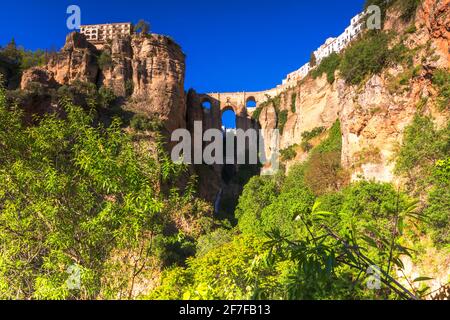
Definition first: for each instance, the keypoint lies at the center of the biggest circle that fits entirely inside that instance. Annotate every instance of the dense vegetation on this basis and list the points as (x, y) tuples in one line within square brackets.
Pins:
[(301, 236), (14, 60), (101, 197), (328, 65), (424, 159), (77, 194)]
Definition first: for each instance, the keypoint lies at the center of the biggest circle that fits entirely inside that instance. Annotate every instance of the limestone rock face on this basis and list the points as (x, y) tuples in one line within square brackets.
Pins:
[(76, 61), (147, 70), (436, 18), (151, 71), (38, 75), (158, 72), (373, 117)]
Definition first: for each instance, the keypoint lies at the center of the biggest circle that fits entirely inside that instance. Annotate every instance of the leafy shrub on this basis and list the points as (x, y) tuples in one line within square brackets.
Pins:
[(438, 208), (408, 8), (328, 65), (259, 193), (422, 146), (306, 146), (293, 103), (213, 240), (282, 212), (106, 97), (105, 60), (288, 153), (282, 119), (80, 93), (228, 272), (142, 123), (257, 113), (173, 249), (91, 199), (334, 140), (323, 173), (368, 56), (441, 80), (308, 135)]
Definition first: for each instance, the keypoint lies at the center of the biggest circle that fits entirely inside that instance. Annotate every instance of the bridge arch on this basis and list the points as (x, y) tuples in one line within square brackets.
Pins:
[(206, 104), (228, 117), (251, 102)]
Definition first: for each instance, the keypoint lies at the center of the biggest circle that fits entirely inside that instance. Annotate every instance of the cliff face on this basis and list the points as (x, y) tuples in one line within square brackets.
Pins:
[(373, 116), (148, 70), (152, 69)]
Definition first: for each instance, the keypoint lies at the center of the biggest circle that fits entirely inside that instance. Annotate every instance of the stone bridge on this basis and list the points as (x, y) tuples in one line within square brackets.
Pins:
[(209, 107)]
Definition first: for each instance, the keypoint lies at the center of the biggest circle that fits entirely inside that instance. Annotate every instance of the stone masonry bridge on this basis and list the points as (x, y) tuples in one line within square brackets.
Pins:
[(210, 107)]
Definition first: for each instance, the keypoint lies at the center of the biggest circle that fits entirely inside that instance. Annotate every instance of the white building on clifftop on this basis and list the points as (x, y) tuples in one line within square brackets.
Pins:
[(331, 45), (98, 34)]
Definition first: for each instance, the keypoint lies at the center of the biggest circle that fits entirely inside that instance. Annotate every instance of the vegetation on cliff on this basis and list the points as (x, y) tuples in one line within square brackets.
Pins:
[(76, 194), (294, 243)]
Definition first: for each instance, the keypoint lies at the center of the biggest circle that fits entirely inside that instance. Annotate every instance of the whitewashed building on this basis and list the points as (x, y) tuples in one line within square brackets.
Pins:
[(331, 45), (100, 33)]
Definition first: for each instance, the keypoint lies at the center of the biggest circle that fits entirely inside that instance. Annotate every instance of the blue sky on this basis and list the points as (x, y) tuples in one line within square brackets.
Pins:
[(233, 45)]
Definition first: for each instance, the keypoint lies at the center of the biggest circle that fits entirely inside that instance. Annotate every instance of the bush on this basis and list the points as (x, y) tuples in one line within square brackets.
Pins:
[(306, 146), (106, 97), (323, 173), (257, 113), (438, 208), (365, 57), (228, 272), (333, 143), (143, 123), (81, 93), (213, 240), (259, 193), (408, 8), (328, 65), (105, 60), (90, 198), (282, 119), (293, 103), (422, 146), (282, 212), (288, 153), (441, 80), (308, 135)]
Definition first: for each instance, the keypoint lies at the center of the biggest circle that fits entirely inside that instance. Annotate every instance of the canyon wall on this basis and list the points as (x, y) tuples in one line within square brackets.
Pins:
[(147, 70), (373, 116)]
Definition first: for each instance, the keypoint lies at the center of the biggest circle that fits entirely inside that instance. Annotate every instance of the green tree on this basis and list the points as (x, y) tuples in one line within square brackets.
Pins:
[(438, 206), (423, 144), (259, 193), (75, 193), (142, 27)]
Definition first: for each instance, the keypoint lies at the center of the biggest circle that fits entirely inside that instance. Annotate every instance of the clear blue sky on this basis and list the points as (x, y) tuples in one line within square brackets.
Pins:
[(233, 45)]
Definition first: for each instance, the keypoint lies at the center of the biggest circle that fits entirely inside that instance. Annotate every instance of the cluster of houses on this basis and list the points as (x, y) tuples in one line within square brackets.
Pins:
[(98, 34), (330, 46)]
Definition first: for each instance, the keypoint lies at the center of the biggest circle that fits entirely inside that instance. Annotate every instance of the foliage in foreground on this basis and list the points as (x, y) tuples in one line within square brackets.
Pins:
[(73, 195)]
